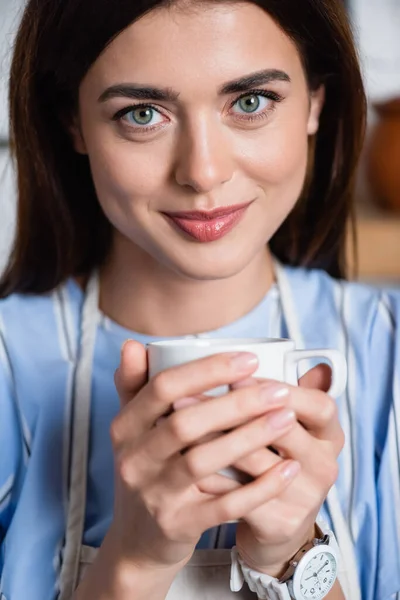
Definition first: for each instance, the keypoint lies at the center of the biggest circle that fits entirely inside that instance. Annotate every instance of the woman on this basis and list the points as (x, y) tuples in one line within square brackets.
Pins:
[(166, 151)]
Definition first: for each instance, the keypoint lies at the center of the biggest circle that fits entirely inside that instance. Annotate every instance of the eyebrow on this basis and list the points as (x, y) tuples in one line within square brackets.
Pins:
[(138, 92), (243, 84)]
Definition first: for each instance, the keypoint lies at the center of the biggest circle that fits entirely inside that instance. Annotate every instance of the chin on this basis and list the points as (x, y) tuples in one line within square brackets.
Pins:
[(208, 275), (220, 266)]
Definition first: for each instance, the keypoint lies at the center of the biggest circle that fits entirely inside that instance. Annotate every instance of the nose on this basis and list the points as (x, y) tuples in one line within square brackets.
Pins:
[(204, 159)]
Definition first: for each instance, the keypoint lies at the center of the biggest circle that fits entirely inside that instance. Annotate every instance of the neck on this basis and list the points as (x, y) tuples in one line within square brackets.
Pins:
[(144, 296)]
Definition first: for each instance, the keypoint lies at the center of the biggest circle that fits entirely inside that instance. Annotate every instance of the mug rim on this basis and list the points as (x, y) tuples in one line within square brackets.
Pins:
[(209, 342)]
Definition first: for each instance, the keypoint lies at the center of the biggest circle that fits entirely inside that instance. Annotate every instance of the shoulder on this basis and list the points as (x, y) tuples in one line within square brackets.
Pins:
[(30, 322), (356, 305), (38, 340), (362, 321), (318, 282)]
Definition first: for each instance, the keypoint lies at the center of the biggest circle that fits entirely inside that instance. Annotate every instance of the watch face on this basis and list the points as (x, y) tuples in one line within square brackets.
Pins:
[(315, 574)]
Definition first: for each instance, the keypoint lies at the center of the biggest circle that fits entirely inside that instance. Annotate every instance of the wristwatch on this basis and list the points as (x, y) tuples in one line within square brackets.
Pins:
[(311, 573)]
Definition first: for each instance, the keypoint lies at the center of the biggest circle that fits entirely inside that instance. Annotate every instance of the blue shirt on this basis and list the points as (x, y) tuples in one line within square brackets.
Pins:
[(39, 339)]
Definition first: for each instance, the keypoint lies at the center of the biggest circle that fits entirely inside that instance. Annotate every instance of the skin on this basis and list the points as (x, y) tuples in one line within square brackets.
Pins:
[(204, 153)]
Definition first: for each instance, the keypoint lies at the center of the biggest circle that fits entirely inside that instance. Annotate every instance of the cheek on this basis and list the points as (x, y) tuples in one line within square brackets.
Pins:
[(123, 173), (126, 175), (278, 161)]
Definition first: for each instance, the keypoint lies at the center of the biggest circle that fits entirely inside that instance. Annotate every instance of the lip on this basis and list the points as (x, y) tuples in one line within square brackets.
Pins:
[(209, 226), (208, 215)]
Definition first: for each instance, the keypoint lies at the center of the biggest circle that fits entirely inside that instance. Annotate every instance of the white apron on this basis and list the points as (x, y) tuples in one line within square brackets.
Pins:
[(207, 575)]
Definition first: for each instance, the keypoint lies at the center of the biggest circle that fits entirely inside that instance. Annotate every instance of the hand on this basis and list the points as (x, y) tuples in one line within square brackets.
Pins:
[(319, 571), (160, 511), (323, 567), (273, 533)]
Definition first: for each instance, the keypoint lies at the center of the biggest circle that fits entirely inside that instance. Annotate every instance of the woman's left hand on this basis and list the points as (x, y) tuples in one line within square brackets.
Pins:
[(270, 536)]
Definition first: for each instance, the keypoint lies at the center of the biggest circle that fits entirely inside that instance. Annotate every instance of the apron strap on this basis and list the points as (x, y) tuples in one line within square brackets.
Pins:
[(350, 585), (80, 442)]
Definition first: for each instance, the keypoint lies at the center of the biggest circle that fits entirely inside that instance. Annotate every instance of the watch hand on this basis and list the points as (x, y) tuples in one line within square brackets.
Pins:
[(323, 566)]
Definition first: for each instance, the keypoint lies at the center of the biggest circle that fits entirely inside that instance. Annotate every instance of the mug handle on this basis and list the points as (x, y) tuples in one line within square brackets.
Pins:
[(335, 358)]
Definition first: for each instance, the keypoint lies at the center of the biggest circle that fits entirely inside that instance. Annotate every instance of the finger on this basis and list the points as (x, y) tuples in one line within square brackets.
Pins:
[(210, 511), (243, 383), (318, 378), (206, 459), (297, 444), (243, 501), (319, 468), (318, 413), (206, 420), (211, 415), (257, 463), (186, 402), (184, 381), (305, 491), (318, 460), (200, 376), (131, 375), (218, 485)]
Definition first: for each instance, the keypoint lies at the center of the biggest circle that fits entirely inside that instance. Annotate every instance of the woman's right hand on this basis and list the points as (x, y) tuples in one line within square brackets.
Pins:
[(160, 512)]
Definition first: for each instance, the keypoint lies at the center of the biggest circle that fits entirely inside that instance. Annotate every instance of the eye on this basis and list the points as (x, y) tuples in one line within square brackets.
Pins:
[(142, 116), (255, 105), (252, 103)]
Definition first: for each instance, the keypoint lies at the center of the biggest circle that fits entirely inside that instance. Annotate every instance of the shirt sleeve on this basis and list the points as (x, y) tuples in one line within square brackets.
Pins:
[(11, 454), (385, 364)]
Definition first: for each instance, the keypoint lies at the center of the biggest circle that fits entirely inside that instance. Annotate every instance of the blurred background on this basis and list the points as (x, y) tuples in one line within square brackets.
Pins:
[(376, 24)]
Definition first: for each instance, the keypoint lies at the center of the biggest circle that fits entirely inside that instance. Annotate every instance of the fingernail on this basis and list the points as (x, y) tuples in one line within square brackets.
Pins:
[(290, 470), (273, 392), (185, 402), (281, 419), (243, 362)]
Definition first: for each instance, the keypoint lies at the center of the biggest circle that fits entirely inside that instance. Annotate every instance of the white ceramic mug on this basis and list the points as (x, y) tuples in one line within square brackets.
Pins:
[(278, 358)]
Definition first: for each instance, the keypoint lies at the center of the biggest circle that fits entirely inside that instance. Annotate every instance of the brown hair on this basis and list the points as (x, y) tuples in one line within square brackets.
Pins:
[(61, 229)]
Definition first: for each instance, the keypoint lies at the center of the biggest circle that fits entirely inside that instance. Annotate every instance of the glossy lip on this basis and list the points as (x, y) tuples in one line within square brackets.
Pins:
[(208, 215), (209, 226)]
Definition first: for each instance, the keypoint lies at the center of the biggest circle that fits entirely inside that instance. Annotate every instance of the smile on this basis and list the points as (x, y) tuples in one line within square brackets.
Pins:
[(209, 226)]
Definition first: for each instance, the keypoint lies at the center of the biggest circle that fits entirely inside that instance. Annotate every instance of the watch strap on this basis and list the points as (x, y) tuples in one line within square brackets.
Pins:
[(318, 540), (265, 586)]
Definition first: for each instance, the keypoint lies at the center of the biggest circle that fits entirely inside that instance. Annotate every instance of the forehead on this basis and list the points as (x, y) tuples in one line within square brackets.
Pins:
[(187, 47)]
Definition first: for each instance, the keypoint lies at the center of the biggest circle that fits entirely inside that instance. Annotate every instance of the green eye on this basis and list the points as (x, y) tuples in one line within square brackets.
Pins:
[(141, 116), (249, 104)]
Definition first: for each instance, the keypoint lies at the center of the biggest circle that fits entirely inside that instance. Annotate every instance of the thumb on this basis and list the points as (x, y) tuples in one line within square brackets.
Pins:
[(318, 378), (131, 375)]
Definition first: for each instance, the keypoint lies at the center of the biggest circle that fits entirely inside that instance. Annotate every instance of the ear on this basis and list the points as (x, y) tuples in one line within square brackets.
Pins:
[(317, 101), (78, 141)]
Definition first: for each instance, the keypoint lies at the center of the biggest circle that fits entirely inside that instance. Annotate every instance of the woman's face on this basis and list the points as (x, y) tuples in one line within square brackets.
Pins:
[(195, 110)]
